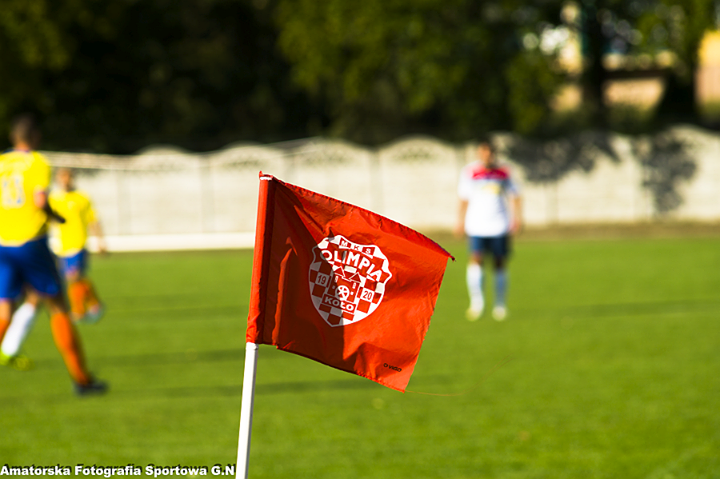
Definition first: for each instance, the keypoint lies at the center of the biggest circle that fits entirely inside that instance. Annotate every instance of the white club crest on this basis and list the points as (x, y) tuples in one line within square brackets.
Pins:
[(347, 280)]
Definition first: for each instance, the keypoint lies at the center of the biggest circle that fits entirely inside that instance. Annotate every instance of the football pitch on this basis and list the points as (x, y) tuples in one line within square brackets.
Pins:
[(607, 367)]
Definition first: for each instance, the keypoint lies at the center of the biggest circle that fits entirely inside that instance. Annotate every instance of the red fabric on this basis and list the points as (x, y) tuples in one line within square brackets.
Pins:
[(493, 173), (341, 285)]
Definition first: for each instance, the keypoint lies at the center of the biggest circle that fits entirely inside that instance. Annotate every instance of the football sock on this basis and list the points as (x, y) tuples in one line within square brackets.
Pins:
[(501, 280), (68, 343), (20, 326), (474, 277), (91, 298), (76, 295), (4, 323)]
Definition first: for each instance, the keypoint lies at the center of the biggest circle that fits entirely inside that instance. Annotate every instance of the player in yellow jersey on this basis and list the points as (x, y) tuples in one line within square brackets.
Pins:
[(80, 219), (68, 242), (25, 258)]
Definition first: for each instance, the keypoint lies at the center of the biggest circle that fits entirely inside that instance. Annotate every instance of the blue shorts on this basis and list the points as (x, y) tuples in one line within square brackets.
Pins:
[(74, 264), (499, 246), (30, 264)]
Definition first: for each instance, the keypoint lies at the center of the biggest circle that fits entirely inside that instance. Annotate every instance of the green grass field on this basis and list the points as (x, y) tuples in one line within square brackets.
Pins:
[(609, 368)]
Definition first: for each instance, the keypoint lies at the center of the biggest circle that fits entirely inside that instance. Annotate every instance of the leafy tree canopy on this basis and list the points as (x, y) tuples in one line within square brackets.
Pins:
[(117, 76)]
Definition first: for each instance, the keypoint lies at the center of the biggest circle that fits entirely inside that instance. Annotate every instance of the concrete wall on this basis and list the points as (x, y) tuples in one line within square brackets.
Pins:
[(413, 181)]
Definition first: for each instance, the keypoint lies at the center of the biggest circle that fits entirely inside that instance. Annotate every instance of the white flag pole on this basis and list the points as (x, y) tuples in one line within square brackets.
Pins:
[(246, 411)]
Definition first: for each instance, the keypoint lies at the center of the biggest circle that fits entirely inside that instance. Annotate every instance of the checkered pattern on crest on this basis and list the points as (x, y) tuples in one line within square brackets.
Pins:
[(347, 280)]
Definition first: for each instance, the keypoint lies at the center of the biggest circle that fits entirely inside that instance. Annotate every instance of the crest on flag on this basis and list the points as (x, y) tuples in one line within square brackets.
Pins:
[(347, 280)]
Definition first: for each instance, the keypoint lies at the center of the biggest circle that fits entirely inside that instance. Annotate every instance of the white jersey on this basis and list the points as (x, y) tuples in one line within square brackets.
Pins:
[(486, 191)]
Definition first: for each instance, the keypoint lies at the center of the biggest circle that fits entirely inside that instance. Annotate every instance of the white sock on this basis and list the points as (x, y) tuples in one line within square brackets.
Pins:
[(474, 278), (501, 281), (20, 326)]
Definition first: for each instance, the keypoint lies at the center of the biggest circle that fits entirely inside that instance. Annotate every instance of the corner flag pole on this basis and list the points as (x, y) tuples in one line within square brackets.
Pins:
[(255, 314), (246, 410)]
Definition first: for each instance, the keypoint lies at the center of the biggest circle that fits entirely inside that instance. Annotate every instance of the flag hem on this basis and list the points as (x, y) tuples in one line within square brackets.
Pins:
[(261, 258), (406, 229), (351, 371)]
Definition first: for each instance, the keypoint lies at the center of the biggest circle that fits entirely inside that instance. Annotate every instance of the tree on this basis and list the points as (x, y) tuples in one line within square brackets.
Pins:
[(117, 76), (643, 28), (31, 42), (386, 67), (457, 67)]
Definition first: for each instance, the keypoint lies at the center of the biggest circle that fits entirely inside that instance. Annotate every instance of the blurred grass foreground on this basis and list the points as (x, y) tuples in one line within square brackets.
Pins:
[(609, 370)]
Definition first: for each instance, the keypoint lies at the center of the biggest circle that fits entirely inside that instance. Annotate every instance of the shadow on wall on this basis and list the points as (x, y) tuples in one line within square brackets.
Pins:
[(665, 157), (667, 160), (550, 161)]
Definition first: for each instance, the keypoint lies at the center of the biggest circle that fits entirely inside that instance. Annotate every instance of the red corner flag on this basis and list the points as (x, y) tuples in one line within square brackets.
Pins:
[(341, 285)]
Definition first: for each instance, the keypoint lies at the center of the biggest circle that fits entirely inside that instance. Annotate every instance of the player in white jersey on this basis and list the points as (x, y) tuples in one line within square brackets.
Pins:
[(489, 213)]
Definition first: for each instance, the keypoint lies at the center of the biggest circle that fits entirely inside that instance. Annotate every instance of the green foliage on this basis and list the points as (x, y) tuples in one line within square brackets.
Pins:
[(612, 372), (31, 34), (30, 41), (126, 74), (531, 83), (117, 76), (431, 59)]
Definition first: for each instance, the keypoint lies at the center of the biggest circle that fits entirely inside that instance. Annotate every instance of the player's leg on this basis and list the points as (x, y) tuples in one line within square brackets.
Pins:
[(70, 268), (21, 324), (501, 250), (67, 340), (93, 306), (474, 279), (94, 309), (5, 314), (10, 288), (85, 305), (42, 275)]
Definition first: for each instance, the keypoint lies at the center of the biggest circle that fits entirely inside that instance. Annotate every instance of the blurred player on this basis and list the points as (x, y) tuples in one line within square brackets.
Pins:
[(75, 208), (489, 212), (80, 219), (25, 258)]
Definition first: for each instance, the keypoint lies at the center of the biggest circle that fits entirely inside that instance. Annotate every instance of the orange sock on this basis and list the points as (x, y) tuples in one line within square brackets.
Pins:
[(76, 295), (68, 343), (4, 323), (91, 298)]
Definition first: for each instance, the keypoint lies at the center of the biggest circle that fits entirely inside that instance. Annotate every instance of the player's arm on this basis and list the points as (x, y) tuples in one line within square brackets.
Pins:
[(41, 198), (41, 179), (514, 201), (460, 223), (95, 229), (515, 213), (41, 202), (463, 193)]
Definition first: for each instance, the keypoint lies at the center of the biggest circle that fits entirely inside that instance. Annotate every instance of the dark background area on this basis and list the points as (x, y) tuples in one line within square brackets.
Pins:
[(115, 77)]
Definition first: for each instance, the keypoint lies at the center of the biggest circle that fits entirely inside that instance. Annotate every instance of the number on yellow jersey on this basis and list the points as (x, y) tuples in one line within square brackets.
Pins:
[(13, 193)]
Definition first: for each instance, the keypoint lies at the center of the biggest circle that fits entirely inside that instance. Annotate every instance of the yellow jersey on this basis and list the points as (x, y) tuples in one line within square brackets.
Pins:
[(75, 206), (22, 175)]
